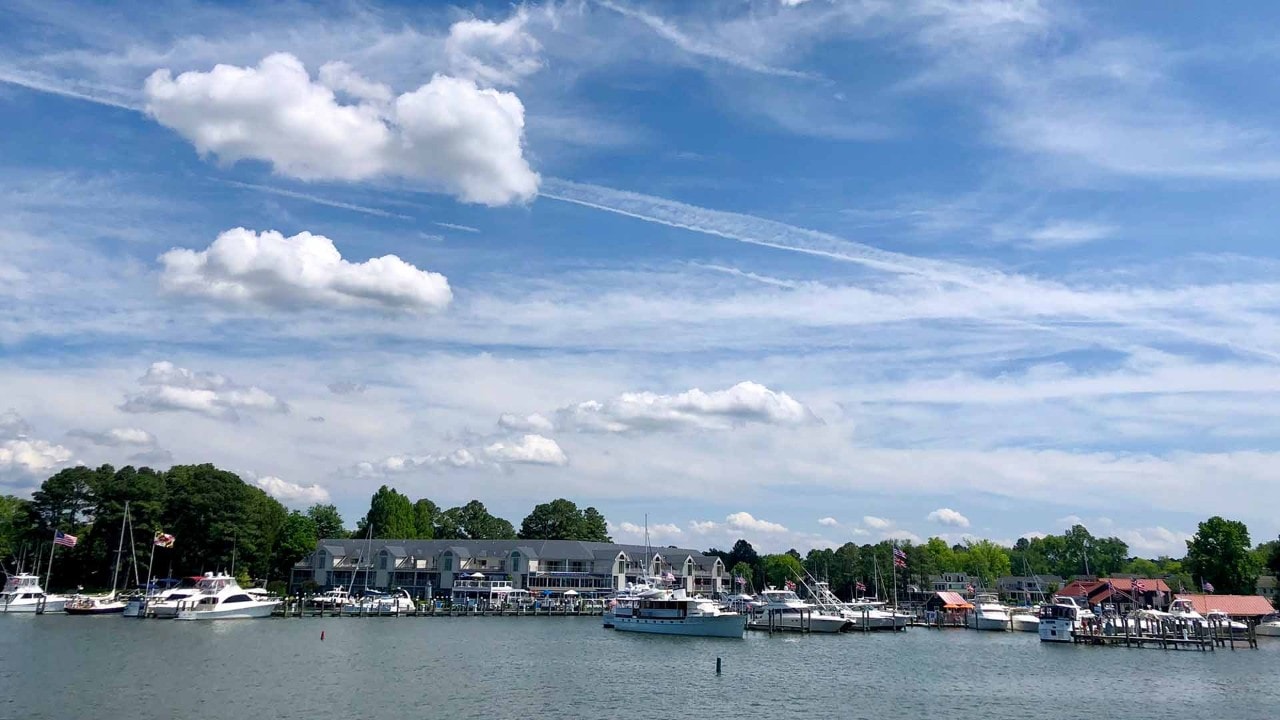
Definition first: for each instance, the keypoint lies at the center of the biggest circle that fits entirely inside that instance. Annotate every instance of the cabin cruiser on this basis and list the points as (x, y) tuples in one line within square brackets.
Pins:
[(1223, 621), (332, 599), (165, 603), (1025, 619), (220, 597), (864, 613), (1063, 618), (667, 612), (1269, 626), (380, 603), (108, 604), (784, 610), (988, 614), (22, 594), (1183, 609)]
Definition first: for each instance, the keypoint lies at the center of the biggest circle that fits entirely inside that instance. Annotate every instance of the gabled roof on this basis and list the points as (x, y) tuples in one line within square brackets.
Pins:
[(395, 551), (1234, 605), (953, 601)]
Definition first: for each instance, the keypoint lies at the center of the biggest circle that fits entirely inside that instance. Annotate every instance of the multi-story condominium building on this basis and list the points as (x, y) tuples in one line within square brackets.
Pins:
[(433, 566)]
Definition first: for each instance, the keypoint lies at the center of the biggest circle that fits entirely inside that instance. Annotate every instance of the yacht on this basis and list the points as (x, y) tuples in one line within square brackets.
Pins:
[(1183, 609), (1224, 622), (1025, 619), (221, 598), (23, 594), (1269, 626), (864, 613), (784, 610), (666, 612), (332, 599), (165, 603), (1062, 619), (374, 602), (988, 614)]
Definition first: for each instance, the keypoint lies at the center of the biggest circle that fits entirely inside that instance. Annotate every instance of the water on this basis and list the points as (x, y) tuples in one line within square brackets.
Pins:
[(522, 667)]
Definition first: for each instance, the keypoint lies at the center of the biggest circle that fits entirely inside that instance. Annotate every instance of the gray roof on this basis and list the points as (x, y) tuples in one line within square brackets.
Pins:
[(543, 549)]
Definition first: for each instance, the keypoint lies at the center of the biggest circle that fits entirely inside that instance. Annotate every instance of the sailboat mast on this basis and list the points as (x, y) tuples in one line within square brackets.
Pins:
[(115, 574)]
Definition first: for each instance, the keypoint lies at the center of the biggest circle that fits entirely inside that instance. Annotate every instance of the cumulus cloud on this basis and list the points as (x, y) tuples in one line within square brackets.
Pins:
[(828, 522), (704, 527), (296, 272), (530, 450), (292, 493), (23, 454), (493, 53), (170, 388), (876, 523), (117, 437), (527, 423), (746, 402), (632, 532), (746, 522), (449, 133), (1155, 541), (1065, 233), (947, 516)]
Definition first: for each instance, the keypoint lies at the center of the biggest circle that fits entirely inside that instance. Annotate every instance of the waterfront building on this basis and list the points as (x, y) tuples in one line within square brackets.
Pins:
[(540, 567), (1238, 607), (955, 582), (1119, 591), (1267, 588), (1028, 589)]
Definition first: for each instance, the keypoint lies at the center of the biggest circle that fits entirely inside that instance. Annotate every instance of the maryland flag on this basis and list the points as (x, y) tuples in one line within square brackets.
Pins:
[(164, 540)]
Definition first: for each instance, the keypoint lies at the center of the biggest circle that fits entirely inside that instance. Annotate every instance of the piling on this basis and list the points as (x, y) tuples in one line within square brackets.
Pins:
[(717, 666)]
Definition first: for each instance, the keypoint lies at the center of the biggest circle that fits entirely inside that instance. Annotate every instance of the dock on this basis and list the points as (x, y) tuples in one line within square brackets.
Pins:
[(1167, 634)]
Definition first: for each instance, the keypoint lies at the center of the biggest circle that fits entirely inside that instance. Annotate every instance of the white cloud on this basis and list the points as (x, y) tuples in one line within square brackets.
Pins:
[(746, 522), (1155, 541), (528, 423), (176, 389), (530, 450), (659, 533), (292, 493), (117, 437), (947, 516), (304, 270), (346, 387), (828, 522), (1070, 521), (448, 133), (23, 454), (1066, 233), (703, 527), (876, 523), (746, 402), (493, 53)]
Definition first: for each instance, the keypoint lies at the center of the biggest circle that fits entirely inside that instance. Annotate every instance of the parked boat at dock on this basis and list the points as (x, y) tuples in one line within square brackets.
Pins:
[(1062, 619), (666, 612), (988, 614), (1025, 619), (398, 602), (784, 610), (222, 598), (108, 604), (22, 594)]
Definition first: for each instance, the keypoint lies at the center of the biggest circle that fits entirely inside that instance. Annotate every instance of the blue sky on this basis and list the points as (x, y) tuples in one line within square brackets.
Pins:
[(801, 272)]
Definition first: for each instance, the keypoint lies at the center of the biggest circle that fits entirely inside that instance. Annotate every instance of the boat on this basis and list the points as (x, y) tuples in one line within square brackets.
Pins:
[(222, 598), (374, 602), (1061, 619), (1183, 609), (1224, 622), (165, 603), (22, 594), (1025, 619), (784, 610), (666, 612), (988, 614), (332, 599), (107, 604), (1269, 626)]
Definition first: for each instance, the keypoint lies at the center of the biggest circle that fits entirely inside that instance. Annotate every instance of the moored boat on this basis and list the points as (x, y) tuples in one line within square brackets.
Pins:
[(108, 604), (1061, 619), (664, 612), (784, 610), (988, 614), (1025, 619), (22, 594), (1269, 626), (222, 598)]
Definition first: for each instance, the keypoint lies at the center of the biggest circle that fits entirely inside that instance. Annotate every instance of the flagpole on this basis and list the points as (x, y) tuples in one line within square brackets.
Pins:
[(48, 578), (895, 579), (150, 561)]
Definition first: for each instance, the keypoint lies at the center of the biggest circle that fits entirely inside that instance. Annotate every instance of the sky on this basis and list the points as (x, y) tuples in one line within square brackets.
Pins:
[(800, 272)]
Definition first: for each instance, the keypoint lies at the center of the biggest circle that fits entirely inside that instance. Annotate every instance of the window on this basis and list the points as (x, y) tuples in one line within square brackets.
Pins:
[(319, 558), (382, 561), (448, 563), (515, 562), (238, 599)]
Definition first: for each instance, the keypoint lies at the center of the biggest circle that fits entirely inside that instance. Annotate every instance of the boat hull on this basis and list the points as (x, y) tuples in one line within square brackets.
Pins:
[(23, 608), (1269, 629), (1057, 630), (246, 612), (991, 623), (1025, 623), (874, 623), (793, 621), (111, 609), (724, 626)]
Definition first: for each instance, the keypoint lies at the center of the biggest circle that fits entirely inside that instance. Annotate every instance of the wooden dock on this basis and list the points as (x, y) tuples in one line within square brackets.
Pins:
[(303, 608), (1167, 634)]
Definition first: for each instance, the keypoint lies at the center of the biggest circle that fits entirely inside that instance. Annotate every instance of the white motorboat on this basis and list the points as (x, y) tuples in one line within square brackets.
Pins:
[(222, 598), (666, 612), (1223, 622), (1269, 626), (1025, 619), (784, 610), (165, 603), (864, 613), (1183, 609), (22, 594), (332, 599), (1062, 619), (398, 602), (988, 614)]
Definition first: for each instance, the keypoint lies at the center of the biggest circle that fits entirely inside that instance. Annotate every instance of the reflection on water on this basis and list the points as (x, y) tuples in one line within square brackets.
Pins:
[(63, 667)]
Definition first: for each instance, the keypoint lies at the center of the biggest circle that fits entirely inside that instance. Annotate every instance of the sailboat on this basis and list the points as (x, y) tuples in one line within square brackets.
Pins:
[(110, 603)]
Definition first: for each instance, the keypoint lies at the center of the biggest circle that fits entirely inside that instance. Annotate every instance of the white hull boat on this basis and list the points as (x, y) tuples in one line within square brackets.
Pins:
[(22, 594), (221, 598), (95, 605), (784, 610), (1062, 619), (1269, 626), (728, 625), (1025, 622), (397, 603), (988, 614)]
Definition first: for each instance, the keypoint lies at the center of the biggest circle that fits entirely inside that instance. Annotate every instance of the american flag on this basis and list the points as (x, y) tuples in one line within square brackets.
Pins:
[(860, 586), (969, 588), (739, 579), (791, 585), (669, 577), (63, 539), (1207, 586), (899, 558), (1139, 587)]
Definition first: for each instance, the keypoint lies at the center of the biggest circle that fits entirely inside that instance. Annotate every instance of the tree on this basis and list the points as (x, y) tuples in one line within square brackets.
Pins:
[(328, 521), (424, 518), (297, 539), (473, 522), (391, 515), (987, 561), (12, 512), (1144, 568), (1273, 561), (744, 571), (778, 569), (562, 520), (1220, 554)]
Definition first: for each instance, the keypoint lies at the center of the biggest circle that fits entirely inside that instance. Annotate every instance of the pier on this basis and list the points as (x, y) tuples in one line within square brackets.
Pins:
[(1167, 634)]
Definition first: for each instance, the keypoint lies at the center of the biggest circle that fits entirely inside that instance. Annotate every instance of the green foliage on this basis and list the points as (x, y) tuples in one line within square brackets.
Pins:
[(1143, 567), (1220, 553), (391, 515), (474, 522), (298, 539), (1069, 554), (328, 521), (780, 568), (424, 518), (13, 512), (562, 520), (987, 561)]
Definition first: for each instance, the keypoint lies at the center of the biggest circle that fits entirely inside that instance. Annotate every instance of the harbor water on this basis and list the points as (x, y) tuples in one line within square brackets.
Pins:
[(513, 667)]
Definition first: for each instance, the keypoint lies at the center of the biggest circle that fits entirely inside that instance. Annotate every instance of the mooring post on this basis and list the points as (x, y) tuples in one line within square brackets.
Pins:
[(717, 666)]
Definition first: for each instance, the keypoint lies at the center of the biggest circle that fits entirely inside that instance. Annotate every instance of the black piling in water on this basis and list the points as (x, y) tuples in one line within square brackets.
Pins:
[(717, 666)]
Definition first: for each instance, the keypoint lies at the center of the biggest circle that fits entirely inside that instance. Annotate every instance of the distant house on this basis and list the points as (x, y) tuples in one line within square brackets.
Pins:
[(1028, 589), (1267, 588), (1119, 591), (1237, 606), (947, 606), (954, 582)]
